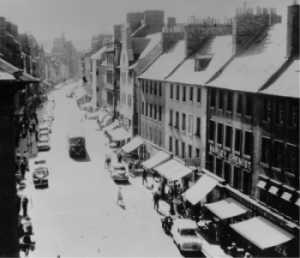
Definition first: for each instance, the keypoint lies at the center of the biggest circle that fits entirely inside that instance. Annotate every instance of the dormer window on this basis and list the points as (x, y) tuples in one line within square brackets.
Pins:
[(201, 62)]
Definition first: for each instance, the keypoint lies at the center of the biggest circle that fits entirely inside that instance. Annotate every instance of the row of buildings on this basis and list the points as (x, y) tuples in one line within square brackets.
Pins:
[(223, 97), (23, 86)]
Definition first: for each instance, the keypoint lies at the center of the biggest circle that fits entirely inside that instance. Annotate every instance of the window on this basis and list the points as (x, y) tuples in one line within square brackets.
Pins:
[(227, 172), (239, 108), (176, 147), (238, 140), (143, 108), (146, 86), (183, 93), (247, 182), (170, 117), (201, 63), (109, 77), (143, 86), (151, 110), (249, 105), (237, 178), (183, 150), (197, 153), (154, 88), (147, 108), (229, 107), (129, 100), (278, 154), (212, 98), (266, 150), (177, 92), (183, 122), (293, 114), (228, 140), (221, 100), (279, 112), (248, 143), (155, 111), (150, 87), (177, 120), (211, 131), (159, 89), (190, 125), (190, 150), (191, 93), (267, 110), (199, 95), (171, 91), (219, 167), (198, 127), (160, 113), (210, 163), (292, 159), (220, 134), (170, 144)]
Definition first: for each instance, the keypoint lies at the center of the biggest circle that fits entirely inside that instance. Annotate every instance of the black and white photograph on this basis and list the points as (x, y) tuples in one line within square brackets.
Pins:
[(149, 128)]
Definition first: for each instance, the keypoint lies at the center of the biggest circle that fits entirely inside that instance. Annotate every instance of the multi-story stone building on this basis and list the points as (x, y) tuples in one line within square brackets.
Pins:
[(140, 47)]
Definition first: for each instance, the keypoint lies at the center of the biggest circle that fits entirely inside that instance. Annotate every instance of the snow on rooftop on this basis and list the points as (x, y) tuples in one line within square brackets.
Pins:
[(166, 63), (287, 84), (154, 39), (250, 70), (219, 48)]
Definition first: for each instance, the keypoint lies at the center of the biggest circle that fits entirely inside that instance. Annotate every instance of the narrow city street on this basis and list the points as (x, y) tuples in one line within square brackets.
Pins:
[(77, 215)]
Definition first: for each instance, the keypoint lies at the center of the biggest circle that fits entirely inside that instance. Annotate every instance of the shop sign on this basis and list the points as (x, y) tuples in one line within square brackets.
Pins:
[(230, 157), (193, 162)]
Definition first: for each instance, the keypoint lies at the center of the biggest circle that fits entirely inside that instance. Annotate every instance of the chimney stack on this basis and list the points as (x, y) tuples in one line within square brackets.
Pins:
[(293, 30)]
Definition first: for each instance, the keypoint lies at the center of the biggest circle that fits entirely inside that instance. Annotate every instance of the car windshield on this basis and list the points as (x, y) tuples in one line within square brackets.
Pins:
[(77, 141), (188, 232)]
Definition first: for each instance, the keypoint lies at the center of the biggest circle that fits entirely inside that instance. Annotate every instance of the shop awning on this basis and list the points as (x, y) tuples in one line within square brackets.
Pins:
[(106, 120), (156, 160), (119, 134), (227, 208), (262, 232), (262, 184), (173, 170), (133, 144), (112, 126), (199, 190)]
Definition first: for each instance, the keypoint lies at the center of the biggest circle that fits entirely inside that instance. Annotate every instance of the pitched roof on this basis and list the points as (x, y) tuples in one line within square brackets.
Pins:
[(166, 62), (250, 70), (219, 49), (98, 54), (287, 84)]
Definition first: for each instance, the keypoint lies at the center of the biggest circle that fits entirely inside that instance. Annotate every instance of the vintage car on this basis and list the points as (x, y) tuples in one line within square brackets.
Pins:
[(184, 233), (119, 173), (43, 142), (40, 176)]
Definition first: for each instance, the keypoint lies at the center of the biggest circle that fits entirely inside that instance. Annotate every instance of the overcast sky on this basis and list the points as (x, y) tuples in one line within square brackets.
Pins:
[(80, 19)]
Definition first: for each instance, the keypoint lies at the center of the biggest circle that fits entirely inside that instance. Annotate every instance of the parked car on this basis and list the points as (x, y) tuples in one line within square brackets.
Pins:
[(185, 236), (43, 142), (40, 176), (119, 173)]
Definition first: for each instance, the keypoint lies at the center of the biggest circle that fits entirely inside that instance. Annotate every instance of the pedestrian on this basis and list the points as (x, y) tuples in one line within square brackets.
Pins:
[(156, 200), (119, 157), (23, 168), (120, 199), (24, 206), (144, 177)]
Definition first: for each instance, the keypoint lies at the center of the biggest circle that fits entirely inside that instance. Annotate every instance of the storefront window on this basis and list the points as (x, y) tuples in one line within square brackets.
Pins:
[(220, 134), (237, 178), (247, 182), (248, 143), (238, 140), (219, 167), (266, 150), (229, 102), (228, 141), (221, 100), (211, 131), (213, 98), (227, 172)]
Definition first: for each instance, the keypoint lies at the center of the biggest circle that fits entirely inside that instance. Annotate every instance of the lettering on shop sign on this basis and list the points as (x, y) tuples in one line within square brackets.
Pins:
[(230, 157)]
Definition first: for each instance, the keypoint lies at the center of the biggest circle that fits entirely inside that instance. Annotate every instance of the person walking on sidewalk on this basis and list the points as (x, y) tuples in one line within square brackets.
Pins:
[(120, 199), (24, 206), (156, 200), (144, 177)]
